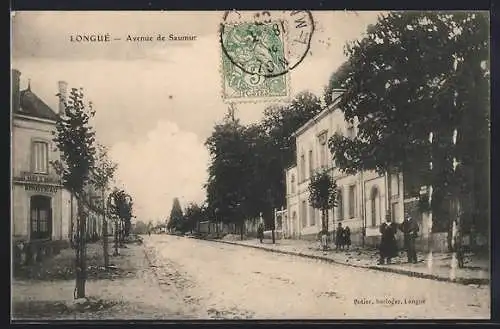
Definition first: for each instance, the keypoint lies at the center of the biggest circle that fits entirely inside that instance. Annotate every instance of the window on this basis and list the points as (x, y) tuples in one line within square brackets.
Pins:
[(350, 130), (302, 167), (324, 158), (352, 201), (396, 216), (340, 204), (375, 206), (323, 146), (311, 163), (303, 214), (312, 213), (394, 185), (292, 183), (41, 217), (40, 157)]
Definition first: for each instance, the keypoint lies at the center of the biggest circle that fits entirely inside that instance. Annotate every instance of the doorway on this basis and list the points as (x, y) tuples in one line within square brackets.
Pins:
[(40, 217), (375, 206)]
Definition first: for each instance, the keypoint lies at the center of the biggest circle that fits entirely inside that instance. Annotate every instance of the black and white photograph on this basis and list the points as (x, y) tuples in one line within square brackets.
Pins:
[(250, 165)]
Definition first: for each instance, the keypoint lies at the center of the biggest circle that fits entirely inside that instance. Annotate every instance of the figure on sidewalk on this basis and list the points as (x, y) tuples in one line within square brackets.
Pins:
[(410, 230), (339, 235), (388, 246), (457, 242), (347, 237), (260, 232), (324, 240)]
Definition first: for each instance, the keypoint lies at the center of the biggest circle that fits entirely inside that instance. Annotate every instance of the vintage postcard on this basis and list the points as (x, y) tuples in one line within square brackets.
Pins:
[(180, 165)]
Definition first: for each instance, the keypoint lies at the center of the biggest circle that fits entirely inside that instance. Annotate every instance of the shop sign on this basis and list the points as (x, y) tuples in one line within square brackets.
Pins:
[(41, 188), (37, 178)]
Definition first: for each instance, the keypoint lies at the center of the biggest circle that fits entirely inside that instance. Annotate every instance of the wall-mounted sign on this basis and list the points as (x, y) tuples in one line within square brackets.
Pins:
[(38, 178), (41, 188)]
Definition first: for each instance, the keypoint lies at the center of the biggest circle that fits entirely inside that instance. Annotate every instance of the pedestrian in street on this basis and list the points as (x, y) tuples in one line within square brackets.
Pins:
[(388, 246), (347, 237), (260, 232), (339, 235), (410, 231)]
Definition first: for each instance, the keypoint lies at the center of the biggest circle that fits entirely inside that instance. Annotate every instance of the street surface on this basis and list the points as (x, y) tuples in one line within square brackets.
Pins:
[(227, 281)]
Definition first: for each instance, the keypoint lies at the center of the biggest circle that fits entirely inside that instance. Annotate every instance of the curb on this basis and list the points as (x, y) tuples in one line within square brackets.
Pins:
[(462, 281)]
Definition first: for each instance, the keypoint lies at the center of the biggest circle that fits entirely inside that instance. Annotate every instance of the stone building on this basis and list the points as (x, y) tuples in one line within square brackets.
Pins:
[(40, 206), (43, 212), (363, 198)]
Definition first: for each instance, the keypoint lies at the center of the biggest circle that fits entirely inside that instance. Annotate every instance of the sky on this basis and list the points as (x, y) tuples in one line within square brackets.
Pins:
[(157, 102)]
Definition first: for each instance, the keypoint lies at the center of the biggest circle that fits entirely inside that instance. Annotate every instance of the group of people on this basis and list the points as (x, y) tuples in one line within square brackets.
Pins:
[(388, 246), (342, 237)]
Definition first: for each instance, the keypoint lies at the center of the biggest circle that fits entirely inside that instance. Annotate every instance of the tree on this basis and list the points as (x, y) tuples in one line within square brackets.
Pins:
[(176, 217), (121, 207), (413, 75), (323, 195), (140, 228), (74, 137), (230, 183), (336, 80), (102, 174), (192, 216)]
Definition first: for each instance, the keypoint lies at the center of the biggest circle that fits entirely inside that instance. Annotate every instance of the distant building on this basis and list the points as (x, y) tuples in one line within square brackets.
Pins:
[(362, 198)]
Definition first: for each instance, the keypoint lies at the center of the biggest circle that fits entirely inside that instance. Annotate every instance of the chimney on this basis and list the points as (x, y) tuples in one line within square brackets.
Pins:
[(63, 95), (16, 92), (336, 94)]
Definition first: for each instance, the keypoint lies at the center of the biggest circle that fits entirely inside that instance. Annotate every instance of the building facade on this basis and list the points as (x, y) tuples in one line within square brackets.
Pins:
[(40, 205), (363, 198), (43, 212)]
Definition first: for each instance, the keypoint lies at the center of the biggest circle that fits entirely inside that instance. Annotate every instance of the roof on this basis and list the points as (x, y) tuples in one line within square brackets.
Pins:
[(32, 105), (330, 108)]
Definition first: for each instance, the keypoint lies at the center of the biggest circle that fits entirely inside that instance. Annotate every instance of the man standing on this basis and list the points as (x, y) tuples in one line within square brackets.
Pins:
[(388, 246), (410, 230), (339, 234)]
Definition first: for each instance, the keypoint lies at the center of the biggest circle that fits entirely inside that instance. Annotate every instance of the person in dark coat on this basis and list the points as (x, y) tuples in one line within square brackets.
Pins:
[(347, 237), (388, 246), (260, 232), (410, 230), (339, 236)]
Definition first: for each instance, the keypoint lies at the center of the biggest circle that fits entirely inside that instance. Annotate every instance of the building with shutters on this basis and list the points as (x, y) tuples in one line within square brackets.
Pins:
[(362, 198), (43, 212), (40, 207)]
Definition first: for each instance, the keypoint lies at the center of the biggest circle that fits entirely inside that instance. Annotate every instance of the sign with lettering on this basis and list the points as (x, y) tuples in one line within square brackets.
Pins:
[(38, 178), (41, 188)]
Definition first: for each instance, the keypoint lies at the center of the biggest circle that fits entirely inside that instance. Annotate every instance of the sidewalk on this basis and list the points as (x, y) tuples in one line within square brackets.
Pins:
[(130, 290), (476, 271)]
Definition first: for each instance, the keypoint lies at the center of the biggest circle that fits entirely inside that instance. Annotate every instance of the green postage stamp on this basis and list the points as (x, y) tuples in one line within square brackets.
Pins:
[(254, 67)]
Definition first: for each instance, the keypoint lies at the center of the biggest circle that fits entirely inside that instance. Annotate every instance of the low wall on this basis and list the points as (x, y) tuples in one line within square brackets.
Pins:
[(25, 253), (438, 241)]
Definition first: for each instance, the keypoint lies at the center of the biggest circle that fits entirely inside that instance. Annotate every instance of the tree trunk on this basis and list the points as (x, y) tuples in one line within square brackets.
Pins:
[(389, 195), (241, 230), (104, 233), (326, 220), (82, 266), (71, 215), (116, 237)]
